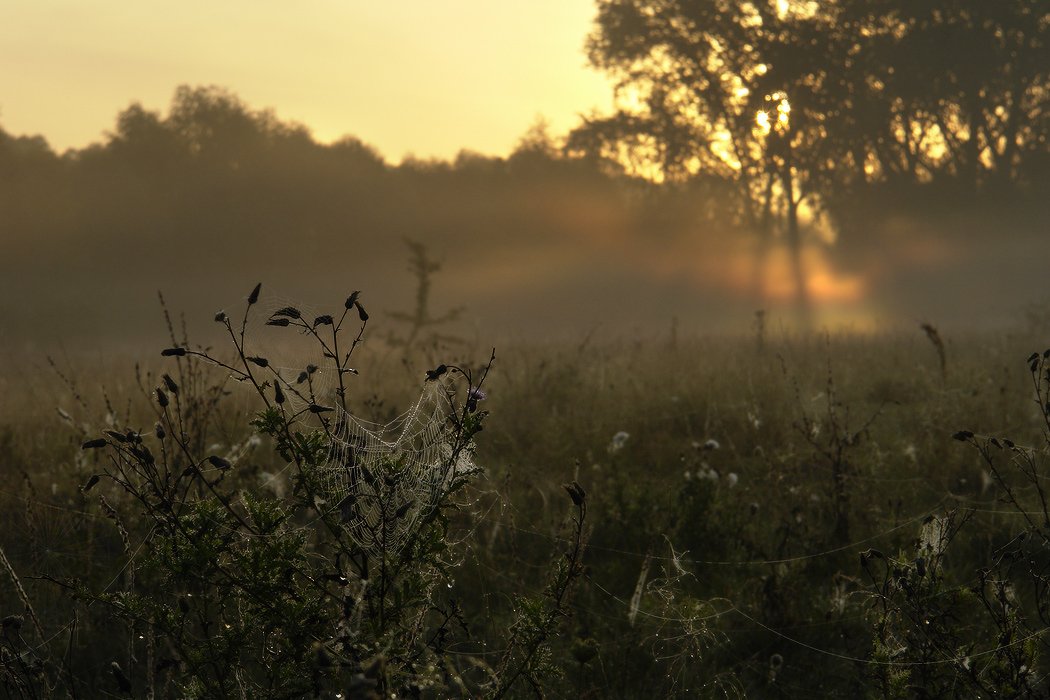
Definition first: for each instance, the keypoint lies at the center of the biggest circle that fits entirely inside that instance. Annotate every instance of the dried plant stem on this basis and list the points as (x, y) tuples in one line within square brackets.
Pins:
[(558, 593), (22, 595), (938, 344)]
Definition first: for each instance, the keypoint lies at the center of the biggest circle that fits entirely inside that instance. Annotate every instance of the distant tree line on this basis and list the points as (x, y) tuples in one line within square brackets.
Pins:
[(214, 189), (215, 164), (736, 120)]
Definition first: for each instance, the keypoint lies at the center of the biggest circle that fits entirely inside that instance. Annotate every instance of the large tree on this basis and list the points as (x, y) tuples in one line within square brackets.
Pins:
[(716, 87), (794, 101)]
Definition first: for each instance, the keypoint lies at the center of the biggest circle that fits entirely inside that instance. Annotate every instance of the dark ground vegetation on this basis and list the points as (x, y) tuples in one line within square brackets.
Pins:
[(809, 516)]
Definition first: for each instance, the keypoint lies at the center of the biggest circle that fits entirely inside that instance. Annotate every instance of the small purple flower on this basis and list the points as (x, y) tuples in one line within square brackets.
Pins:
[(474, 394)]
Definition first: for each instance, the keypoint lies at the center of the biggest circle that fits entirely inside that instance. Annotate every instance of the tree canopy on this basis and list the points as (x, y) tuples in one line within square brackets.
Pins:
[(800, 103)]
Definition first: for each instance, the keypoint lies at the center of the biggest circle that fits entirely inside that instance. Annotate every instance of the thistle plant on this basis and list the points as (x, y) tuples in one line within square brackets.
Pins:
[(334, 588)]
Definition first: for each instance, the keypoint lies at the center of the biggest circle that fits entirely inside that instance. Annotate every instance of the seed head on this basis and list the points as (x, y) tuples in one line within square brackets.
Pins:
[(433, 374), (170, 384), (289, 312), (219, 462), (576, 493)]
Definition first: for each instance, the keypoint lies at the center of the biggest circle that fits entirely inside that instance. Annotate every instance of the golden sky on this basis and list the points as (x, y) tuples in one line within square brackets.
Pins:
[(422, 77)]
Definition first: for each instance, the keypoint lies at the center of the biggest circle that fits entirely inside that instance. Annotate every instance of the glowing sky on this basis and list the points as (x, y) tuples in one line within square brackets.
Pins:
[(417, 76)]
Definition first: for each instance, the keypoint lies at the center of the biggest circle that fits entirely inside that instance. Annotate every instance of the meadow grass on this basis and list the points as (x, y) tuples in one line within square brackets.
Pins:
[(758, 532)]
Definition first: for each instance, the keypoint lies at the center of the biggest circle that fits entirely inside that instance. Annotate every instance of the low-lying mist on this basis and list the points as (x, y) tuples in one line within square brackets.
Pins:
[(204, 203)]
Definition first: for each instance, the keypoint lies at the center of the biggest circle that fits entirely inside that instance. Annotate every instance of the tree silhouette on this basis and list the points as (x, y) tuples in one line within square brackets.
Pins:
[(799, 103), (951, 89), (706, 87)]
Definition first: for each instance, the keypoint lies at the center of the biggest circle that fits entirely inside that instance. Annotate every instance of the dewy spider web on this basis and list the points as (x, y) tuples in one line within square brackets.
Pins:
[(382, 479), (385, 478)]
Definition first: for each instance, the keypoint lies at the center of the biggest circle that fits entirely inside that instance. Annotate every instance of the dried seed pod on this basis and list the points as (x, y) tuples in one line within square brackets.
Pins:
[(352, 299), (144, 454), (173, 352), (90, 483), (278, 395), (219, 462), (254, 296), (93, 444), (576, 493), (162, 398), (170, 384), (324, 320), (361, 313), (220, 317), (433, 374), (288, 311), (314, 408), (281, 322), (261, 361)]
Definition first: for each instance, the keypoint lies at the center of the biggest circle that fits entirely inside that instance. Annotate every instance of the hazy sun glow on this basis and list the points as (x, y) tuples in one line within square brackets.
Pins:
[(412, 77), (824, 283)]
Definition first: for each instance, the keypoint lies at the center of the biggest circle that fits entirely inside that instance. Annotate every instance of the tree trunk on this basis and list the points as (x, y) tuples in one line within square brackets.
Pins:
[(794, 240), (763, 235)]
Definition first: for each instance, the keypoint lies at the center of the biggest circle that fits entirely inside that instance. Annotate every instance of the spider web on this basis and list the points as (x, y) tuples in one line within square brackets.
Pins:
[(385, 478), (382, 478)]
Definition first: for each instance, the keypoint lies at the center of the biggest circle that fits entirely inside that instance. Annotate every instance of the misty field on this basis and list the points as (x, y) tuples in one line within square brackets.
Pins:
[(702, 349), (774, 515)]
